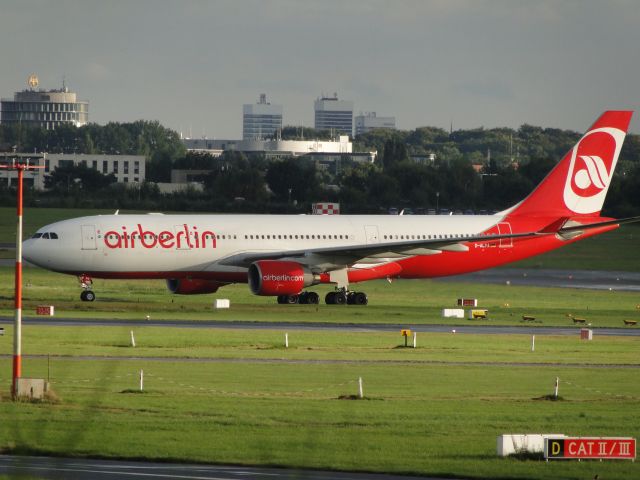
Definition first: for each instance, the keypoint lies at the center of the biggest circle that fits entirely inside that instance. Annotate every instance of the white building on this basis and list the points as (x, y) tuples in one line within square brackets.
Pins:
[(333, 114), (126, 168), (261, 120), (271, 148), (365, 122), (328, 150), (44, 108)]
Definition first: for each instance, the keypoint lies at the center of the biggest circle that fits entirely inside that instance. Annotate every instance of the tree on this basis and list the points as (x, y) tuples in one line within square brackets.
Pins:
[(72, 178), (291, 179), (395, 151)]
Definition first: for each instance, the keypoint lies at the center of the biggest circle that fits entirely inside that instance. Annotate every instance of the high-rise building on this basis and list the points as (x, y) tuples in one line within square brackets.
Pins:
[(44, 108), (370, 121), (334, 114), (261, 120)]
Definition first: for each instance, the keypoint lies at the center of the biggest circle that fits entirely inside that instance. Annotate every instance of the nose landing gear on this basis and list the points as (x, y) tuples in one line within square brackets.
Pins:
[(86, 283)]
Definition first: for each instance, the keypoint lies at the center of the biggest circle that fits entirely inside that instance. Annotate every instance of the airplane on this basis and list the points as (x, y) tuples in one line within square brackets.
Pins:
[(282, 255)]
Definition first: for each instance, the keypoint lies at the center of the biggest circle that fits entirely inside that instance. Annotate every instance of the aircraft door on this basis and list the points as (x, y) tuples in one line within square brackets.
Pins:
[(504, 228), (371, 234), (88, 237)]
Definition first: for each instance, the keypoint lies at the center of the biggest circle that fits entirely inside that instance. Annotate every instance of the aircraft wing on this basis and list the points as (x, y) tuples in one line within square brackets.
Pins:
[(333, 257), (337, 257)]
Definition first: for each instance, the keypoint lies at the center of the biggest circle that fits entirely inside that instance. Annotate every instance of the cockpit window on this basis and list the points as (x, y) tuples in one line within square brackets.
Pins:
[(46, 235), (37, 235), (53, 235)]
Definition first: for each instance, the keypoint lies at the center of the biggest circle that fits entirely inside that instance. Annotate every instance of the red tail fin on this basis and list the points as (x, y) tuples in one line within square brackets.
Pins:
[(579, 183)]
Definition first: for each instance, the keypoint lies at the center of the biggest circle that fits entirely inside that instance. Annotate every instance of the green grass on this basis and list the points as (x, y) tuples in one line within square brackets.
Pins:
[(184, 343), (418, 417), (403, 302), (238, 396)]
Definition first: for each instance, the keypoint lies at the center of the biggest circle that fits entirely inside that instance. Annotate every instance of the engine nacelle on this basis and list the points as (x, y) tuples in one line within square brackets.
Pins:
[(188, 286), (273, 277)]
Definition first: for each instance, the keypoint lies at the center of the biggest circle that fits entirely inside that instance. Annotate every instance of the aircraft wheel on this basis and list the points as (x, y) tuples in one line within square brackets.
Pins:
[(330, 299), (341, 298), (291, 299), (360, 298), (303, 298), (87, 296), (281, 299), (313, 298)]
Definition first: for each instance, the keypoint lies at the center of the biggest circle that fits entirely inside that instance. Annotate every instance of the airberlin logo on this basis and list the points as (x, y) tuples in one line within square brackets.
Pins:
[(594, 175), (184, 237), (593, 160), (282, 278)]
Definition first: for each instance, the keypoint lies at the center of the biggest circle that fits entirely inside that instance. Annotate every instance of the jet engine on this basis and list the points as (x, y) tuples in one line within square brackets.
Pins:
[(272, 277), (192, 286)]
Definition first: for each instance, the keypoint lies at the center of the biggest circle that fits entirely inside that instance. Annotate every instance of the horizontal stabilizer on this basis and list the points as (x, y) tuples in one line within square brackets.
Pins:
[(589, 226)]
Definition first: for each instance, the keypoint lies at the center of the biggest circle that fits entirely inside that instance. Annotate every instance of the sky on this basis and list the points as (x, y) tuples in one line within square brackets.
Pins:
[(192, 64)]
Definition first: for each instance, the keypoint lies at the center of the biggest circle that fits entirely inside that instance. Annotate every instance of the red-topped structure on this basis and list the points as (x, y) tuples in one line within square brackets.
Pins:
[(19, 165)]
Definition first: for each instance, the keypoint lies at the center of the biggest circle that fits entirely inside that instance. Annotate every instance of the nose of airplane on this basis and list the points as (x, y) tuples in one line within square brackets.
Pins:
[(31, 253)]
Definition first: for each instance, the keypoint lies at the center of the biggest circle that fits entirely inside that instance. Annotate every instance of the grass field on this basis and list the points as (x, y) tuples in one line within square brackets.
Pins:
[(240, 397), (401, 302)]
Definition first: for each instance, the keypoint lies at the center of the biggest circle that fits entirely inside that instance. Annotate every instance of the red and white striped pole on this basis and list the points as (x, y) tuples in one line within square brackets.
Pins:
[(20, 167), (17, 329)]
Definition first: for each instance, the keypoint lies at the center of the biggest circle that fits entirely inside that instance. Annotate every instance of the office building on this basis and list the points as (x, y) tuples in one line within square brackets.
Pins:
[(44, 108), (261, 120), (370, 121), (129, 169), (334, 114)]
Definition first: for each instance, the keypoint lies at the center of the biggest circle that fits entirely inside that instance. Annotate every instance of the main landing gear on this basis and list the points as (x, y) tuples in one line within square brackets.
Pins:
[(303, 298), (86, 283), (342, 297)]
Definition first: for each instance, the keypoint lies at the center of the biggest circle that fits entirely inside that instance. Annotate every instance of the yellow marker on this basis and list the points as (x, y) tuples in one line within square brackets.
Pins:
[(405, 333)]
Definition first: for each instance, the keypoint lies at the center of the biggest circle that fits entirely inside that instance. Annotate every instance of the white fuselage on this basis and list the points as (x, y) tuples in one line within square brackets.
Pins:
[(158, 244)]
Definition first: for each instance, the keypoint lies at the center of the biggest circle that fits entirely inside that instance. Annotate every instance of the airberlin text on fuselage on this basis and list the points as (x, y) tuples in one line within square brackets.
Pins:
[(187, 237)]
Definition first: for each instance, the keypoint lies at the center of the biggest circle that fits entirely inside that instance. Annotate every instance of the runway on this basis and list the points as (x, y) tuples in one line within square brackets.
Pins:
[(351, 327), (585, 279), (86, 469)]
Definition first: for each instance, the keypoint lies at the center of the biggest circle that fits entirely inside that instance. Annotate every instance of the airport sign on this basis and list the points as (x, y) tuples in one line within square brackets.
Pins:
[(601, 448)]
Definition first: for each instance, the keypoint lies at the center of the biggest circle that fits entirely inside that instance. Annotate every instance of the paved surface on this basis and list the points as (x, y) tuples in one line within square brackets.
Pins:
[(352, 327), (589, 279), (87, 469)]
